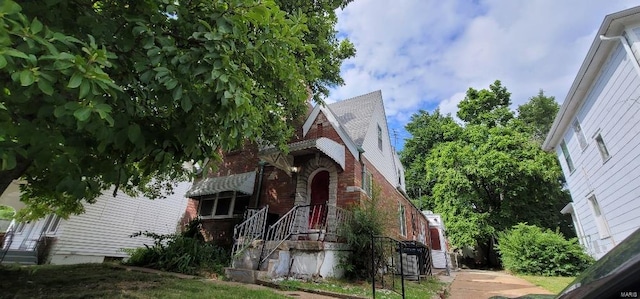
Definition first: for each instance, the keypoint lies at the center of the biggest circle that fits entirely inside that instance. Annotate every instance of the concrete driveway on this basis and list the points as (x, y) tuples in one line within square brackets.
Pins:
[(485, 284)]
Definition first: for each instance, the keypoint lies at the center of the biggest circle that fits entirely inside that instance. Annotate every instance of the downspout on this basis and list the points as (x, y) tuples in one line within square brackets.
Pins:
[(261, 164), (363, 171), (627, 48)]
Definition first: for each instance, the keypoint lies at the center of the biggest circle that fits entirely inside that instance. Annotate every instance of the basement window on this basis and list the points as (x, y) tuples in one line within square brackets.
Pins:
[(223, 205)]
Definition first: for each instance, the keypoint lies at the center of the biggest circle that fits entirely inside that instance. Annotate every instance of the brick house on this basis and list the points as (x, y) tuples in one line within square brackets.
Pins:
[(339, 155)]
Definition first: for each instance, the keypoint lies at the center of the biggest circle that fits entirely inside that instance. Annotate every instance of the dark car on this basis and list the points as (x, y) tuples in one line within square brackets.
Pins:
[(615, 275)]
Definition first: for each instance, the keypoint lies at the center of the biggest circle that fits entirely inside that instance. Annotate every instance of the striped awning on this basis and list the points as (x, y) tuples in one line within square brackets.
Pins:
[(242, 182), (330, 148)]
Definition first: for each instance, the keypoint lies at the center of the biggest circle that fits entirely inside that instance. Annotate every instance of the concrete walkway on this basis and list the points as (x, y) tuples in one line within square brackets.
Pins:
[(485, 284)]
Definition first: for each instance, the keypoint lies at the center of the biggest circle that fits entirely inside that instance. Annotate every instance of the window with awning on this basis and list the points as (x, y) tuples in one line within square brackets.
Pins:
[(242, 182)]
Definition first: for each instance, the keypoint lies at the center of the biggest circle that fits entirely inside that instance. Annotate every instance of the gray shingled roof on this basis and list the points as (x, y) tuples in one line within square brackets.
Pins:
[(355, 114)]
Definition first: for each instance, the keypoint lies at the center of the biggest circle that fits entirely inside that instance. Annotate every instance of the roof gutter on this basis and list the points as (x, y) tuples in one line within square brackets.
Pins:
[(627, 48)]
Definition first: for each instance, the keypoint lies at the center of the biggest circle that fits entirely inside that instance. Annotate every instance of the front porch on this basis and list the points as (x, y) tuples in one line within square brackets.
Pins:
[(303, 243)]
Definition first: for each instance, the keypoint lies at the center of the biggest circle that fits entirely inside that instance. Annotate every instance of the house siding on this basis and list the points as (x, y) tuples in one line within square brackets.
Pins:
[(611, 108), (104, 229)]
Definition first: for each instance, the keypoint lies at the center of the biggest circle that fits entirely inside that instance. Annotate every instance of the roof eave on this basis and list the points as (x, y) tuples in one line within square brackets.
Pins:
[(613, 24)]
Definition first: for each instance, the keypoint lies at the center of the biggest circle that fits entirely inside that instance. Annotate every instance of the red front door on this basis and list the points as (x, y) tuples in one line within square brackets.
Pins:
[(319, 198)]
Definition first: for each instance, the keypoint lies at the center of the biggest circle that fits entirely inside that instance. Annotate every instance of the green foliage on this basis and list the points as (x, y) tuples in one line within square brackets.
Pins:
[(183, 253), (368, 218), (486, 175), (489, 107), (6, 212), (538, 114), (528, 249), (428, 130), (104, 93)]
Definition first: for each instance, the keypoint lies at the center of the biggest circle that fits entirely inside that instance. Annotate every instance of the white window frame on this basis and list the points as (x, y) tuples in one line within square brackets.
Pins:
[(567, 156), (598, 214), (577, 129), (215, 198), (51, 224), (602, 148), (402, 218), (368, 182)]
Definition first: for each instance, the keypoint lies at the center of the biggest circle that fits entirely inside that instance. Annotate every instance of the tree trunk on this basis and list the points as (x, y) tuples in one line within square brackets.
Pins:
[(7, 176)]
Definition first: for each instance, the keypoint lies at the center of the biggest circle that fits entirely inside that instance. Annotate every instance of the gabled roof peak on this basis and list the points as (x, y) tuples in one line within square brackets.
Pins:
[(355, 113)]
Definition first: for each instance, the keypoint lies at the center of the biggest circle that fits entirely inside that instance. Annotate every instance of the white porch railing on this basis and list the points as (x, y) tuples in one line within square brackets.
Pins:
[(249, 230)]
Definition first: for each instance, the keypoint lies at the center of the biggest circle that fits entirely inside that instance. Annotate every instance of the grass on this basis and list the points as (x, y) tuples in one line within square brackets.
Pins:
[(106, 281), (423, 289), (552, 284)]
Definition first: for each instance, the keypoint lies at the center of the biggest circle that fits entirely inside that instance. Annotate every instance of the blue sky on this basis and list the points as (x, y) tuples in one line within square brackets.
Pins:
[(425, 54)]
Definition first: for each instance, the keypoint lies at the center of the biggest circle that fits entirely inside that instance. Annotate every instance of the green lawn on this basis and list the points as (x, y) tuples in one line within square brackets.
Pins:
[(106, 281), (423, 289), (552, 284)]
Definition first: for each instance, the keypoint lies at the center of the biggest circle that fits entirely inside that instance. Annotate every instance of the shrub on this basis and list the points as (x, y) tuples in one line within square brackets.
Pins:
[(528, 249), (6, 212), (185, 253), (366, 219)]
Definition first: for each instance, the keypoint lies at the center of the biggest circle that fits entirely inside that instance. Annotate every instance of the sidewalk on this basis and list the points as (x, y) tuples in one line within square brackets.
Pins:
[(485, 284)]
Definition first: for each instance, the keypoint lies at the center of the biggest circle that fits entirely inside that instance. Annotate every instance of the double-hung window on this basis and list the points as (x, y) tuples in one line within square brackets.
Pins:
[(403, 220), (602, 147), (577, 129), (567, 156), (601, 222), (223, 205)]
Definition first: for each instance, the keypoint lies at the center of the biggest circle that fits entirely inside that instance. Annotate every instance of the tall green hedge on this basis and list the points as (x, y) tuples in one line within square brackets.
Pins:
[(528, 249)]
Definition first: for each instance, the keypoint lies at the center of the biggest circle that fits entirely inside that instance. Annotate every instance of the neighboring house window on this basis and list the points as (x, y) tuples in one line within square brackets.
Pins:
[(223, 205), (51, 224), (601, 222), (399, 178), (604, 153), (379, 137), (367, 184), (20, 227), (579, 134), (567, 157), (435, 239), (403, 220)]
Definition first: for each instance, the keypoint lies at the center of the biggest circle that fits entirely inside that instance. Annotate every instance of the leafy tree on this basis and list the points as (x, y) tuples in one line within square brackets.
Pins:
[(103, 93), (427, 130), (492, 179), (538, 114), (489, 107), (486, 175)]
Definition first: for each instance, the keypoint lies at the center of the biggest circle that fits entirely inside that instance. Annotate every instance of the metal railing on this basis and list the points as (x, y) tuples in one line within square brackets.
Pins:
[(249, 230), (6, 244), (311, 222)]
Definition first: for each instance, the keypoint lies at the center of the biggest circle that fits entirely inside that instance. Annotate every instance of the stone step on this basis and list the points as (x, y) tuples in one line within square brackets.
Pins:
[(20, 257), (245, 275)]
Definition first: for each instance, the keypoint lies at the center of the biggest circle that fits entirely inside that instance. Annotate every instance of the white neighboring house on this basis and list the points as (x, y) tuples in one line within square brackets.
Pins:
[(101, 232), (596, 136), (439, 250)]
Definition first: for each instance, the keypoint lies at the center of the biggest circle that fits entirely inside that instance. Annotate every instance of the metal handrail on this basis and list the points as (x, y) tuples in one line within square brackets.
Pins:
[(249, 230), (8, 239), (300, 220)]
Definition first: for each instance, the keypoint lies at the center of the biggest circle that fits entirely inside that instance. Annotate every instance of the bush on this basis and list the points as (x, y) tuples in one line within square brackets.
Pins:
[(367, 219), (528, 249), (184, 253)]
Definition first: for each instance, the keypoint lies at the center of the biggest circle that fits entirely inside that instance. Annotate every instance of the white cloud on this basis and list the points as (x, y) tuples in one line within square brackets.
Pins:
[(424, 54)]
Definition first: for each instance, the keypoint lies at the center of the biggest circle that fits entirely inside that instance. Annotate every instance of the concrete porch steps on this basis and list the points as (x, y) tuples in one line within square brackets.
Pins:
[(22, 257)]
